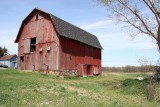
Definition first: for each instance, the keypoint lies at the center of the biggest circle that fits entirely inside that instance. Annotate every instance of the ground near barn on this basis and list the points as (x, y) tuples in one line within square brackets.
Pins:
[(29, 89)]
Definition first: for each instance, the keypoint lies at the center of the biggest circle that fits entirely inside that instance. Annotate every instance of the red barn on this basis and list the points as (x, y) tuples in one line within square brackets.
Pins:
[(46, 42)]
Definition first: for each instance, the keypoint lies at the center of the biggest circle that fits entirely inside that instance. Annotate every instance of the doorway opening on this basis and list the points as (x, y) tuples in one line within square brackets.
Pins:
[(89, 70), (22, 59)]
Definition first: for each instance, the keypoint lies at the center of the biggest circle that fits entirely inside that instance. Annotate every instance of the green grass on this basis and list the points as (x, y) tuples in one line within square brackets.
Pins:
[(32, 89)]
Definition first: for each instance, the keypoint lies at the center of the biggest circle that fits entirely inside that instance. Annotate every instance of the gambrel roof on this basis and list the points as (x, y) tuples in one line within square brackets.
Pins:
[(68, 30)]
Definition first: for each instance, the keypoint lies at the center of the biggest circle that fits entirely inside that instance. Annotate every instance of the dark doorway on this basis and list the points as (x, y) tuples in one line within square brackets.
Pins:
[(89, 70), (22, 62), (22, 59)]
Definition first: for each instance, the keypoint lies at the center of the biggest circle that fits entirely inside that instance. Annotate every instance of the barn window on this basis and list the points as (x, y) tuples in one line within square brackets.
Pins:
[(33, 45), (37, 17)]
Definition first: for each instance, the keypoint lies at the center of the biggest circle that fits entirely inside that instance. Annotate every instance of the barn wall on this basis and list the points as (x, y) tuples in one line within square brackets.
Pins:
[(81, 57), (46, 37)]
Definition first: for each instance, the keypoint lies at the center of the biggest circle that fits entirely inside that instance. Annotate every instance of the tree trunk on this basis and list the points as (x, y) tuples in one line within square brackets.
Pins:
[(158, 38)]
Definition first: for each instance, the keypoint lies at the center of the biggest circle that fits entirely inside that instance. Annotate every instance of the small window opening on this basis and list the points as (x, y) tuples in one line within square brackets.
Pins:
[(37, 17), (33, 45), (22, 59)]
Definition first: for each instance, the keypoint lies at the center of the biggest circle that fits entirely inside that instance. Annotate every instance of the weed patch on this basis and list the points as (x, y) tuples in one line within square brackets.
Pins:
[(153, 91)]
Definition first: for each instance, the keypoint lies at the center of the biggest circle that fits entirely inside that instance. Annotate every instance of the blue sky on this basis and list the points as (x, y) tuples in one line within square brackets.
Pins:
[(118, 47)]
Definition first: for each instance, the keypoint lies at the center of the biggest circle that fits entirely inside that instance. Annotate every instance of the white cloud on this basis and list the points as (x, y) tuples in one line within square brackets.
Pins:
[(111, 36), (119, 41), (97, 25)]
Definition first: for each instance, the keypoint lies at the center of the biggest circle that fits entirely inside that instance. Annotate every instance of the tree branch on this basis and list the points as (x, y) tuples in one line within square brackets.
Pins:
[(155, 14), (128, 21), (138, 16), (154, 7)]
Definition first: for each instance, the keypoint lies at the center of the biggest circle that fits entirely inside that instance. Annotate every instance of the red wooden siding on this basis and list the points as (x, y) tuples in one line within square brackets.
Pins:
[(78, 56)]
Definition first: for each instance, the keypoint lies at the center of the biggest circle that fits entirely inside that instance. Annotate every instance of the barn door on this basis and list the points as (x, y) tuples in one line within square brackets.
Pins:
[(27, 45), (40, 63), (22, 62)]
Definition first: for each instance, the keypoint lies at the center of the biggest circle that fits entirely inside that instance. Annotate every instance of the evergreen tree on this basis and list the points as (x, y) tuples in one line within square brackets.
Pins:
[(3, 51)]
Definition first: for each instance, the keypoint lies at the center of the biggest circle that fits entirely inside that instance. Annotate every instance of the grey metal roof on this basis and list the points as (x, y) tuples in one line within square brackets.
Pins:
[(70, 31)]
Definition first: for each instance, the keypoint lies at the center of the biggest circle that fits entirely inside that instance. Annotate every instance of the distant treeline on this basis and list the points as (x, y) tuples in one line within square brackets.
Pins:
[(146, 68)]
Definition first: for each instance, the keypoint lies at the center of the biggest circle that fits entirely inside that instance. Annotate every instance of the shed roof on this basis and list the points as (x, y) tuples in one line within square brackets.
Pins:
[(7, 57), (68, 30)]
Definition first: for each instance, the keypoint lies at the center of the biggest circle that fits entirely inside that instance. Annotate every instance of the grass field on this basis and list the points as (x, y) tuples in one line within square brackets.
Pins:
[(32, 89)]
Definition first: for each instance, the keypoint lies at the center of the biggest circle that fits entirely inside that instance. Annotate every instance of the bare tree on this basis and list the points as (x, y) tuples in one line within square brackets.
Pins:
[(146, 65), (140, 16), (158, 67)]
